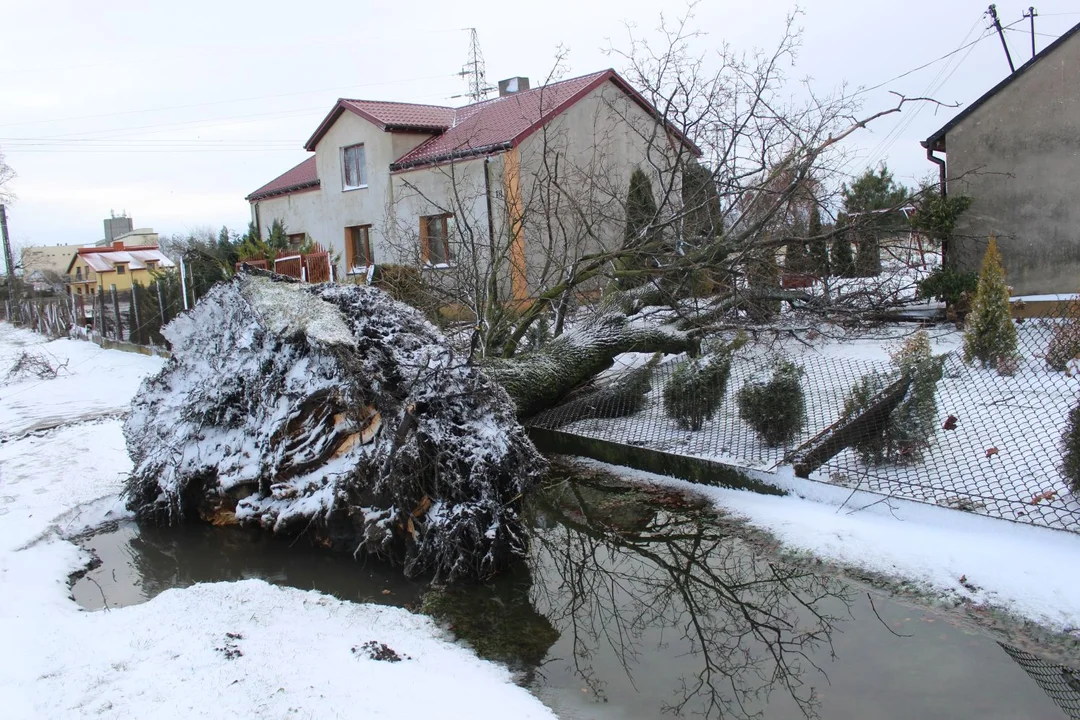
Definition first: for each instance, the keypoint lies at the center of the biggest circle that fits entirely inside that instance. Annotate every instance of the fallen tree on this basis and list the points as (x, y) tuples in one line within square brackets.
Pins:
[(337, 412)]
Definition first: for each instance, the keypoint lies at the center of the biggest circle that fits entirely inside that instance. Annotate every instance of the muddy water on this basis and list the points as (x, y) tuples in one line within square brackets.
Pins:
[(635, 603)]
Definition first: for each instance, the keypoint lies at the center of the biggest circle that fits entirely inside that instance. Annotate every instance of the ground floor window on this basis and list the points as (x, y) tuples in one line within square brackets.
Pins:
[(435, 231), (358, 248)]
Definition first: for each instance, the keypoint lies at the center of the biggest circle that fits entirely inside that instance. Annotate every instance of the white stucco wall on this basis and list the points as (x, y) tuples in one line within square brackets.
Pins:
[(324, 213), (596, 144)]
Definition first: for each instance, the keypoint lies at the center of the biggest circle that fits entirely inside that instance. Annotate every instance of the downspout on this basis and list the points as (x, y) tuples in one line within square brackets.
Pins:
[(258, 221), (941, 168), (942, 188)]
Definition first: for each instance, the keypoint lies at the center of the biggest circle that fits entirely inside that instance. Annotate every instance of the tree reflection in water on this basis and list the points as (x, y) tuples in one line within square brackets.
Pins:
[(615, 563)]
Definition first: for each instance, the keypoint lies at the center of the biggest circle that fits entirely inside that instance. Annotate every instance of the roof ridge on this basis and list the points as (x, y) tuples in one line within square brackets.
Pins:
[(399, 102)]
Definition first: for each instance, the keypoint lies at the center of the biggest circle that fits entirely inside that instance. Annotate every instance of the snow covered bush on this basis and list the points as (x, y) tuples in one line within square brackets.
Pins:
[(907, 431), (990, 333), (1070, 440), (1064, 342), (696, 388), (336, 412), (775, 409)]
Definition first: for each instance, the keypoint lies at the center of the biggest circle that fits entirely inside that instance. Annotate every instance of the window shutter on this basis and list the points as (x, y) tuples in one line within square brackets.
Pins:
[(349, 253)]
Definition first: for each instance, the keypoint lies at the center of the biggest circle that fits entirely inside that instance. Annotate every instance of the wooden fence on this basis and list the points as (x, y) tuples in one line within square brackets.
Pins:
[(133, 316)]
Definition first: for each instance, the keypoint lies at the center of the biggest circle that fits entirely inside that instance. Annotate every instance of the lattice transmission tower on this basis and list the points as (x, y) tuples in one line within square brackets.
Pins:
[(474, 70)]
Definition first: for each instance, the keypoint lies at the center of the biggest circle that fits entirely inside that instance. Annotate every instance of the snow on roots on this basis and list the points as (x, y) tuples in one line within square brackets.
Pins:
[(335, 411)]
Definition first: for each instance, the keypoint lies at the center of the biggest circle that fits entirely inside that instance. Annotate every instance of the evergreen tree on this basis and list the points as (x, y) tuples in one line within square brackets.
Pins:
[(763, 275), (990, 334), (868, 253), (871, 202), (796, 254), (702, 215), (817, 248), (640, 238), (278, 239), (227, 244), (842, 262)]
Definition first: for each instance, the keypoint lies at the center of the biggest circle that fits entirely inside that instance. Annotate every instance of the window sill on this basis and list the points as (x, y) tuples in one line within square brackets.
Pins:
[(350, 188), (438, 266)]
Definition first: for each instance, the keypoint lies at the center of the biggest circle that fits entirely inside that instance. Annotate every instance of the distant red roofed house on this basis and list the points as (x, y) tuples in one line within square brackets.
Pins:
[(427, 185), (96, 269)]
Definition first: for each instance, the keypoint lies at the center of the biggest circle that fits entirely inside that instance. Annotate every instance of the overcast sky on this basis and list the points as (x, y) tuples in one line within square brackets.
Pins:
[(173, 112)]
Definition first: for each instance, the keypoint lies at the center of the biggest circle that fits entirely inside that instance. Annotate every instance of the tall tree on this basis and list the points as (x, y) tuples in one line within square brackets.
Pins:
[(640, 236), (817, 247), (703, 217), (872, 202), (841, 261)]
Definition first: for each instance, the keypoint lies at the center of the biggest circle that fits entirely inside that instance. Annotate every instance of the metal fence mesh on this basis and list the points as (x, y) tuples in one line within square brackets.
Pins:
[(1060, 683), (996, 448)]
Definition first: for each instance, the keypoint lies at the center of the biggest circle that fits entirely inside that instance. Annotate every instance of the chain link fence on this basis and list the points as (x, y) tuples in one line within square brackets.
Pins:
[(992, 445), (1060, 683)]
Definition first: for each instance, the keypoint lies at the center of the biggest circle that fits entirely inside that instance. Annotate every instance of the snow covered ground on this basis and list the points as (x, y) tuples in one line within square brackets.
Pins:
[(246, 649), (1021, 417)]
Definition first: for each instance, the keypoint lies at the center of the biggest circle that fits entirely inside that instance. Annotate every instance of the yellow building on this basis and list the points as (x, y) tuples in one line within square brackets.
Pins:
[(97, 269)]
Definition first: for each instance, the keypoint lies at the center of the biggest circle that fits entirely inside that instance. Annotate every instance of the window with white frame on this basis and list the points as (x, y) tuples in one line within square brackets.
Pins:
[(354, 172)]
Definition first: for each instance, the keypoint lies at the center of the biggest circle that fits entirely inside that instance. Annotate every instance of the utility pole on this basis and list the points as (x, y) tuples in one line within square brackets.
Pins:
[(474, 69), (1001, 34), (9, 262), (1032, 13)]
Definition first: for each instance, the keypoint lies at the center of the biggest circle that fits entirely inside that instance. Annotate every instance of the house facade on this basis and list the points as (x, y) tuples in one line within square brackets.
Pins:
[(1016, 153), (93, 270), (435, 187)]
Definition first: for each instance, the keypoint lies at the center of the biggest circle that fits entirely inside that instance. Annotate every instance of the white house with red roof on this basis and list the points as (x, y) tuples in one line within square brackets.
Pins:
[(434, 186)]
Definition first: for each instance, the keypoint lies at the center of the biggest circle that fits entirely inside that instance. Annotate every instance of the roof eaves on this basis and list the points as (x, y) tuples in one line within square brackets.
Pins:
[(461, 154), (288, 190), (936, 140)]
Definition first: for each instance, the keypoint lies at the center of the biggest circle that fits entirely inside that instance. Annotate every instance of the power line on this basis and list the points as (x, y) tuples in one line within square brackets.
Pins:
[(221, 102), (947, 55)]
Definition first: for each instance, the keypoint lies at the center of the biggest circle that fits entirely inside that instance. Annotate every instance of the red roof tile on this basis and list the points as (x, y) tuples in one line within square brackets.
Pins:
[(301, 177), (473, 129), (392, 115), (387, 116), (506, 121)]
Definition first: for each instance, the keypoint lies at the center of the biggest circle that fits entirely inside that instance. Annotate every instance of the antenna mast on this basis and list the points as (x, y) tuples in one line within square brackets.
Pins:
[(474, 69)]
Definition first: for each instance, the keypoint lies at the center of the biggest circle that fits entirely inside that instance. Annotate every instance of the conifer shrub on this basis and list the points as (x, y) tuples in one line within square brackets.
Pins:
[(1070, 440), (775, 409), (1064, 342), (696, 388), (906, 433), (990, 334), (842, 259)]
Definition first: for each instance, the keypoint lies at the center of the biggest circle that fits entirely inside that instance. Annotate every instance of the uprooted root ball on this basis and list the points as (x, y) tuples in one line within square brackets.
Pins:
[(335, 411)]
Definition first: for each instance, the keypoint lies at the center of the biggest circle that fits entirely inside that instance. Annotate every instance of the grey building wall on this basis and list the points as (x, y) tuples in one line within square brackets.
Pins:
[(1018, 157)]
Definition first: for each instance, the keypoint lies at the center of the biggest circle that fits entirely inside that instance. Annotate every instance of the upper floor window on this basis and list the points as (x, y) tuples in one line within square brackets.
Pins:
[(358, 247), (78, 273), (435, 231), (353, 167), (121, 269), (151, 265)]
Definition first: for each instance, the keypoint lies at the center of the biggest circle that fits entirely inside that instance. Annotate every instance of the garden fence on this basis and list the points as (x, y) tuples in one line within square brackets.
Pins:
[(995, 446)]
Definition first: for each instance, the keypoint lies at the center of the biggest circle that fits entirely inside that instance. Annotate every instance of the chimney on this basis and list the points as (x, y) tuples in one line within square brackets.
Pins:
[(513, 85), (118, 245)]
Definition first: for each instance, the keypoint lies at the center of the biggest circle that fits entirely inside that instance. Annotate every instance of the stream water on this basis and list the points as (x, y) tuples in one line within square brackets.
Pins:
[(638, 602)]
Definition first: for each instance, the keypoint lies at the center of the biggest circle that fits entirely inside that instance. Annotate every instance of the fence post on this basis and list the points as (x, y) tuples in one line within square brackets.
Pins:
[(116, 313), (160, 302), (136, 332)]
